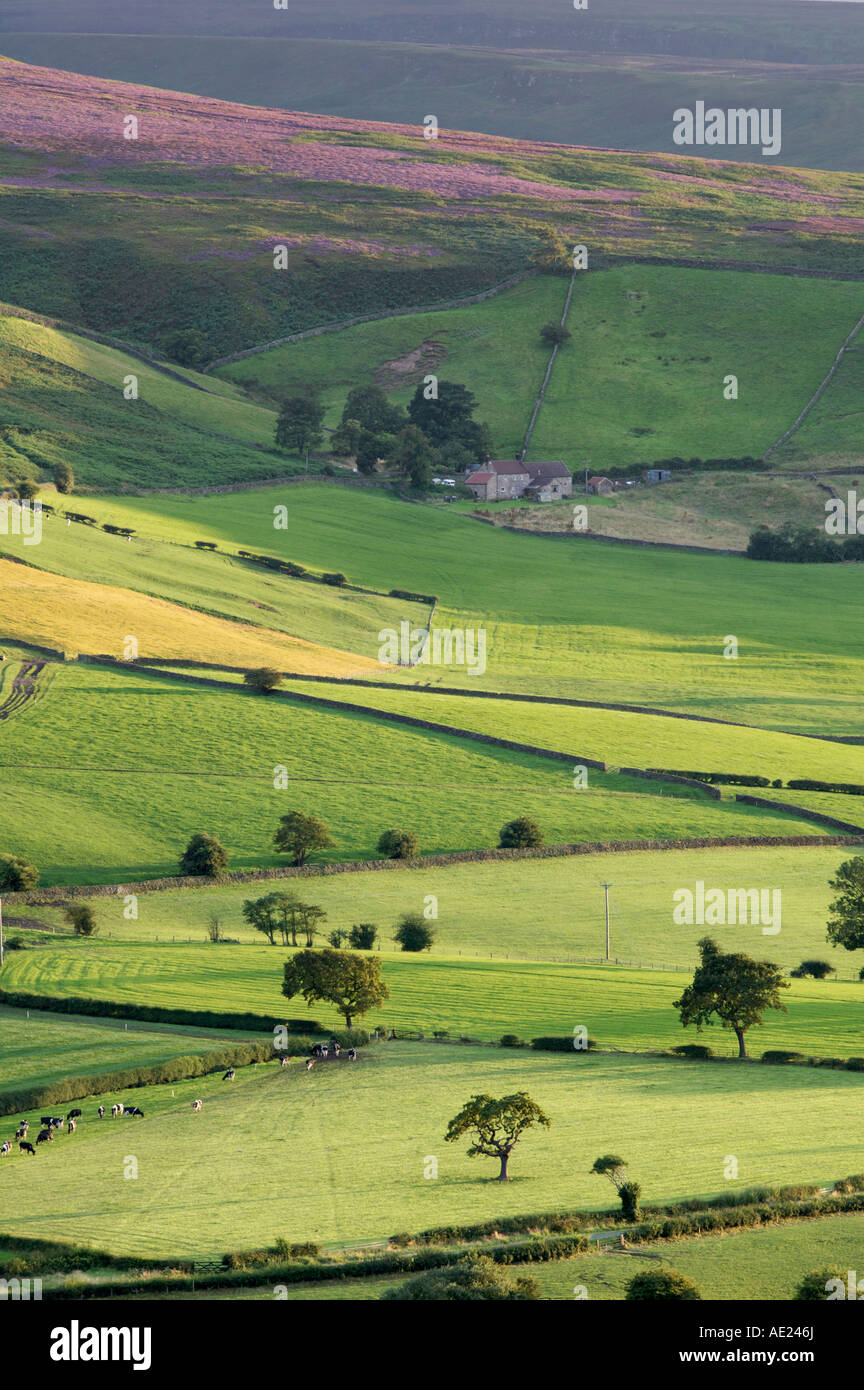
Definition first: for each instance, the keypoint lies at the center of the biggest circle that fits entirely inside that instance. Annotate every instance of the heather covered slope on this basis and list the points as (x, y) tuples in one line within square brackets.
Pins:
[(372, 216)]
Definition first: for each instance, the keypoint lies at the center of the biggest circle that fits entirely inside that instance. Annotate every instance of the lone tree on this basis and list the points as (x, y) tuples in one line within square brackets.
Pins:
[(734, 988), (615, 1169), (398, 844), (299, 423), (555, 334), (662, 1284), (64, 478), (413, 932), (362, 936), (204, 857), (82, 918), (300, 835), (473, 1278), (352, 984), (263, 679), (17, 875), (497, 1125), (846, 912), (521, 833)]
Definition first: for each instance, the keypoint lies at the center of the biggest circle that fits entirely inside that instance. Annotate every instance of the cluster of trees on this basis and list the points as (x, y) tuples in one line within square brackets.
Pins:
[(438, 433), (287, 916), (801, 546)]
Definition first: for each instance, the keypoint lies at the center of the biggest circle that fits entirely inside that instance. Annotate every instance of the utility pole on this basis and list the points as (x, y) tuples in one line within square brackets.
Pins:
[(586, 461), (1, 931), (606, 887)]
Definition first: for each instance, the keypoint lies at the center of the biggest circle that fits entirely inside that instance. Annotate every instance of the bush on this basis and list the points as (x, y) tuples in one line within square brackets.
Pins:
[(814, 970), (693, 1050), (661, 1284), (511, 1040), (263, 679), (205, 545), (555, 334), (521, 833), (82, 918), (553, 1044), (411, 597), (204, 857), (473, 1278), (398, 844), (337, 579), (64, 478), (779, 1054), (630, 1192), (362, 936), (812, 1288), (414, 933), (17, 875)]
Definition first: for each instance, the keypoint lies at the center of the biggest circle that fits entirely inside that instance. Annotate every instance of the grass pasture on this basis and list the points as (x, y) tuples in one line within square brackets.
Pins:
[(146, 762), (570, 617), (622, 1007), (490, 909), (400, 1103)]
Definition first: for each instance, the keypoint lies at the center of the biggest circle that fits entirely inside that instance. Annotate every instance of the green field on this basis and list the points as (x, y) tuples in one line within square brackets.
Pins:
[(280, 1131), (627, 1008), (570, 617), (662, 341), (138, 764), (760, 1265), (41, 1048), (218, 584), (490, 909)]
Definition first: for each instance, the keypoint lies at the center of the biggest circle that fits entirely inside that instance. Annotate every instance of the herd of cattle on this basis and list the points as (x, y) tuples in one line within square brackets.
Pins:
[(52, 1124)]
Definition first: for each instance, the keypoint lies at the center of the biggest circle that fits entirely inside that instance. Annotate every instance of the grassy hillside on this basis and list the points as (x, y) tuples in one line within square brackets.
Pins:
[(490, 909), (75, 615), (572, 617), (400, 1104), (40, 1048), (652, 386), (146, 763), (622, 1007), (373, 216), (215, 584)]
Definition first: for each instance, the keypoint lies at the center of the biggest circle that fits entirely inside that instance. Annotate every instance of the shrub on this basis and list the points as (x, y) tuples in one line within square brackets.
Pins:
[(82, 918), (362, 936), (661, 1284), (64, 478), (511, 1040), (814, 970), (337, 579), (555, 334), (630, 1192), (474, 1278), (814, 1286), (411, 597), (204, 857), (553, 1044), (693, 1050), (521, 833), (414, 933), (205, 545), (398, 844), (263, 679), (779, 1054), (17, 875)]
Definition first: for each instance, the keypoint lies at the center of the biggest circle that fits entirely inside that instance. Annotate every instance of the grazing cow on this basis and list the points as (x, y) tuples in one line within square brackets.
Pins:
[(44, 1136), (310, 1062), (74, 1115), (26, 1148), (115, 1111), (229, 1075), (196, 1104), (70, 1126), (57, 1123), (23, 1124), (6, 1148), (21, 1132), (285, 1060), (133, 1110), (352, 1054), (45, 1121), (101, 1112)]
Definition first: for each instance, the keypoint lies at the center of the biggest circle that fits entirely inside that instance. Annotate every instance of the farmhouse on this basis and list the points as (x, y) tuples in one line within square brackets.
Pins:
[(499, 479)]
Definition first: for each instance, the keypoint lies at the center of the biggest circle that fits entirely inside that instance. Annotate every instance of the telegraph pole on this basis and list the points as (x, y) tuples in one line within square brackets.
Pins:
[(1, 931), (606, 887)]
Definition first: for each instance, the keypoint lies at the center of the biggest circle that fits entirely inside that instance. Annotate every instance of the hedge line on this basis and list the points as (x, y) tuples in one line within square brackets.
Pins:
[(732, 779), (196, 1018), (801, 812), (534, 1251), (157, 1073), (812, 784)]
